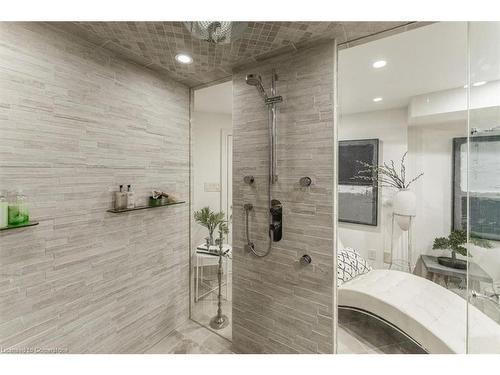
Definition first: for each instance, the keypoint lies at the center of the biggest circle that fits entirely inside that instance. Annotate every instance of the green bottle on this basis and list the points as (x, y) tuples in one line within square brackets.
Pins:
[(18, 210)]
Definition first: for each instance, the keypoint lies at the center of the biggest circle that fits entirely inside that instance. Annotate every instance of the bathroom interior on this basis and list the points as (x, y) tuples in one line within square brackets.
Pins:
[(221, 187)]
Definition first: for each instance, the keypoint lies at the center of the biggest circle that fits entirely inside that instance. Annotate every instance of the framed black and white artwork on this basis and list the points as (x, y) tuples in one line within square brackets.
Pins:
[(483, 182), (358, 199)]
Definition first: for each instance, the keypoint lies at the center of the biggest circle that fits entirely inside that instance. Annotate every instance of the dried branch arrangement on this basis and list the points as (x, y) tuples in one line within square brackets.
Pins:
[(386, 175)]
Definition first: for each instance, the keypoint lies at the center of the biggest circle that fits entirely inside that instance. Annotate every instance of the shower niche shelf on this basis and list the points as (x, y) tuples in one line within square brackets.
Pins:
[(23, 225), (114, 211)]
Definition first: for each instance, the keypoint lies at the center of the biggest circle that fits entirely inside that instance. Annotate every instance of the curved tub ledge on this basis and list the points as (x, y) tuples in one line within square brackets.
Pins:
[(430, 314)]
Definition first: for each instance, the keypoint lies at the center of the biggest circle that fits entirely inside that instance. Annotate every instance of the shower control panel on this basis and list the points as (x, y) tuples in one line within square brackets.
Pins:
[(276, 226)]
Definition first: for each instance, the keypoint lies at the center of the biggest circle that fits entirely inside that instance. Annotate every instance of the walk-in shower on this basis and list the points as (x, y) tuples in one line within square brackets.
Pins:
[(275, 211)]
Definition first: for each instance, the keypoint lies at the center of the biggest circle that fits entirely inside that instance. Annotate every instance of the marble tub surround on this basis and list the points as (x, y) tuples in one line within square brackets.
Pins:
[(430, 314), (76, 121), (280, 306)]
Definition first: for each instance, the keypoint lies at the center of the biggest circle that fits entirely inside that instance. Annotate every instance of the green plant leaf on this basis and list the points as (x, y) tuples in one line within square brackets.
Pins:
[(211, 220), (441, 243), (456, 241)]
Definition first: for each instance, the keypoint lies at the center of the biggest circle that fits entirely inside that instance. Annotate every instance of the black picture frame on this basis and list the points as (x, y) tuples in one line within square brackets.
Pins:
[(484, 209), (354, 206)]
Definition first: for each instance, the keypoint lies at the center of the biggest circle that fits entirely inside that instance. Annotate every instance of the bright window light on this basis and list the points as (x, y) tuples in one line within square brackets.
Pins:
[(378, 99)]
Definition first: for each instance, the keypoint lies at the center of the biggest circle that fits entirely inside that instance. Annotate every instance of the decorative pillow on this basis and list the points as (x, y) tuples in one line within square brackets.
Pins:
[(350, 264)]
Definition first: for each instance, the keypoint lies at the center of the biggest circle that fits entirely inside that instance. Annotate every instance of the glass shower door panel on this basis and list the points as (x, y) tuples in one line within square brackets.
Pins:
[(483, 198)]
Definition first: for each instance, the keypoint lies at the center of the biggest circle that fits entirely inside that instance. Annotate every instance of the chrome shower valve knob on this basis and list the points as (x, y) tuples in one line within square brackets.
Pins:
[(249, 180), (305, 181), (305, 260)]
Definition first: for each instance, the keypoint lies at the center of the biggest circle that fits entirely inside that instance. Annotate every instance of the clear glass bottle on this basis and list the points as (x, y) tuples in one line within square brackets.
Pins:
[(4, 211), (120, 199), (130, 197), (18, 209)]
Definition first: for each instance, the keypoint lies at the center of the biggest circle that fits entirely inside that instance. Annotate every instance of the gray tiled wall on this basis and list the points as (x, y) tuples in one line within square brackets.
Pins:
[(75, 122), (278, 305)]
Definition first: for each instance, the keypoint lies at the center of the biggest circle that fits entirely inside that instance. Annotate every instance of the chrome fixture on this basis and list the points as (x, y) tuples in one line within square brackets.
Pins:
[(275, 210), (256, 80), (250, 246), (216, 32), (492, 297), (248, 180), (305, 181), (270, 101), (220, 320), (275, 225), (305, 260), (491, 131)]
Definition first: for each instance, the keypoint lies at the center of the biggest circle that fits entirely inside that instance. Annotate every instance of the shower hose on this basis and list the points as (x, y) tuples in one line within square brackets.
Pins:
[(250, 244)]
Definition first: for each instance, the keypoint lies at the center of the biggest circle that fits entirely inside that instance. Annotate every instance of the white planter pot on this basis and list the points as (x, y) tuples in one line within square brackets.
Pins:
[(405, 206)]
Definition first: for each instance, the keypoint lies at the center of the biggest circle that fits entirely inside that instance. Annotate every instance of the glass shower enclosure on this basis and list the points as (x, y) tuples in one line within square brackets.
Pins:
[(428, 98), (483, 186)]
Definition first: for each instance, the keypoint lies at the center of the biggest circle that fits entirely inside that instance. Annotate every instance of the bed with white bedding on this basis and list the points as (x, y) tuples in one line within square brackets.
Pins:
[(428, 313)]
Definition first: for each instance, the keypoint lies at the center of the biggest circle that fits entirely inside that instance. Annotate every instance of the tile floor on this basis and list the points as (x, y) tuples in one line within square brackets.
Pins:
[(357, 334), (191, 338), (204, 310)]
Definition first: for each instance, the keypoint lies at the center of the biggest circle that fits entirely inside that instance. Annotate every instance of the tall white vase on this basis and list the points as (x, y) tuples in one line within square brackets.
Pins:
[(405, 206)]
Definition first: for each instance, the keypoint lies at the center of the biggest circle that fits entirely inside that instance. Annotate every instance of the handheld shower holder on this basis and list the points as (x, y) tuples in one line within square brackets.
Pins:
[(275, 213)]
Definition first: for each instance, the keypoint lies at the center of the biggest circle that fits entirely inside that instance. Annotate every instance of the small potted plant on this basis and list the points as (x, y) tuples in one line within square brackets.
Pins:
[(386, 175), (455, 242), (210, 220)]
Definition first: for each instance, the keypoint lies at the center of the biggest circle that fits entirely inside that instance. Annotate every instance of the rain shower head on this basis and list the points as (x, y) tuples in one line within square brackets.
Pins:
[(256, 80)]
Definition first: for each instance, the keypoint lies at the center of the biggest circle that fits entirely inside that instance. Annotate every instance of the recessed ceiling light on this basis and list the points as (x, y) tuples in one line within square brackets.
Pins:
[(183, 58), (378, 99), (466, 86), (480, 83), (379, 64)]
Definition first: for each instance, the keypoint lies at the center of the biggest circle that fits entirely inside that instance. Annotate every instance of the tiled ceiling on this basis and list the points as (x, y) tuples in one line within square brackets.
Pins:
[(155, 44)]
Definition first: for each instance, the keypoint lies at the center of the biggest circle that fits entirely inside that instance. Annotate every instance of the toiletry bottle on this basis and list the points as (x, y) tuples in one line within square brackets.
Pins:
[(18, 209), (130, 197), (120, 199), (4, 211)]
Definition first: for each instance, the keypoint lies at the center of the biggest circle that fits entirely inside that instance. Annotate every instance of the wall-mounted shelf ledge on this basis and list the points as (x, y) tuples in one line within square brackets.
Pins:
[(23, 225), (113, 211)]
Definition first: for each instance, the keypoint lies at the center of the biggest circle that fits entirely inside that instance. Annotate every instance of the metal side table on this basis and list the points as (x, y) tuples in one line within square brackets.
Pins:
[(439, 274), (203, 258)]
